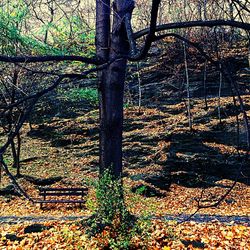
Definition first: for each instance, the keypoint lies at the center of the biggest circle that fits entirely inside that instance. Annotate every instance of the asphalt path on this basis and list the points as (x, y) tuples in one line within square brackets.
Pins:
[(198, 218)]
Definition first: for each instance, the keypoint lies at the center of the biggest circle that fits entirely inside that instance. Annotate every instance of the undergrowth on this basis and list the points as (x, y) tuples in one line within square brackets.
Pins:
[(112, 225), (78, 94)]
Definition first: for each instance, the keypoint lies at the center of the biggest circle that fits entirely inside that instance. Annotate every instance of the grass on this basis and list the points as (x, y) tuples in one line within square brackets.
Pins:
[(82, 94)]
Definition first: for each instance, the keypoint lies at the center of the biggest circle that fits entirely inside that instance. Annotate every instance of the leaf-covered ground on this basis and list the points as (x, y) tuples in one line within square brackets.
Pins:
[(160, 235), (177, 166)]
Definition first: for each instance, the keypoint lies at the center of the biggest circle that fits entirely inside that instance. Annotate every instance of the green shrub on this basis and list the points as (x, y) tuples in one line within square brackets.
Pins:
[(111, 214), (109, 195), (141, 190), (112, 225), (79, 94)]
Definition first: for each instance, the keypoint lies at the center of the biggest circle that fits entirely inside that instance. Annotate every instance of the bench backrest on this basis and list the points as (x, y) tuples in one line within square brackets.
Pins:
[(62, 191)]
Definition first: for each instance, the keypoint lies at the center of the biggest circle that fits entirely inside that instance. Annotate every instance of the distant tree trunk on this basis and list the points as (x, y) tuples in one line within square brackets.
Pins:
[(231, 14), (14, 154), (249, 53), (199, 9), (188, 88), (219, 94), (205, 84), (1, 173), (205, 9), (139, 88), (15, 146), (111, 82), (18, 151)]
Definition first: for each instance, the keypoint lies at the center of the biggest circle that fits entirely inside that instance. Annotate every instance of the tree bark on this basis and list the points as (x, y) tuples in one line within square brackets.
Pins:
[(111, 88), (102, 52)]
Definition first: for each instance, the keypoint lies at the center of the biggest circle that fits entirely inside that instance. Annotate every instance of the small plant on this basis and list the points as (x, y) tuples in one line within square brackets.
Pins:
[(112, 224), (141, 190), (109, 196), (127, 105), (79, 94)]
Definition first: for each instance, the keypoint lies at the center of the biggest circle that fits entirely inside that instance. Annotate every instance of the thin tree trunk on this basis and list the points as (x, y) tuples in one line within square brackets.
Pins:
[(14, 154), (231, 13), (1, 173), (205, 9), (18, 150), (188, 88), (249, 54), (199, 10), (219, 96), (139, 88), (205, 84)]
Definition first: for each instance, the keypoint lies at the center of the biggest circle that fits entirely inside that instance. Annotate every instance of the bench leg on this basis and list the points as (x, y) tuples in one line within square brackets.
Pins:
[(44, 197)]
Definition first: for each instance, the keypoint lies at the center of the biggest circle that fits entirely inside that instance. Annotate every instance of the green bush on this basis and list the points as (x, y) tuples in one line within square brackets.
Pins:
[(79, 94), (112, 224), (109, 195), (111, 214)]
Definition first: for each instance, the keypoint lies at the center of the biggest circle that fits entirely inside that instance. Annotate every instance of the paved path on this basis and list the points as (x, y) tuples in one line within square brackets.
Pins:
[(37, 219), (202, 218), (199, 218)]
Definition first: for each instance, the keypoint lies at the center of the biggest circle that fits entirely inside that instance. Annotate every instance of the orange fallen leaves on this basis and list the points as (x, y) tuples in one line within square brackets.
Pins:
[(160, 236)]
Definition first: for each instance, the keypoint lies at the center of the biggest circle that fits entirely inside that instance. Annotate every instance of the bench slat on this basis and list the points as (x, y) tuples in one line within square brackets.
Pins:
[(62, 194), (62, 189), (60, 201)]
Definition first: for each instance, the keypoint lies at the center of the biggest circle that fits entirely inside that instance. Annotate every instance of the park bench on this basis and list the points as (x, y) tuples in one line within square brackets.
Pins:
[(59, 192)]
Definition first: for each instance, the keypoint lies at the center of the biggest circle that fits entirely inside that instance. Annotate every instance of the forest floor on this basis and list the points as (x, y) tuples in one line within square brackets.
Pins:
[(167, 170)]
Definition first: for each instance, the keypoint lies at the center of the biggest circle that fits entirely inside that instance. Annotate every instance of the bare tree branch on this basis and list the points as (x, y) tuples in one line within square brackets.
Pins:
[(150, 34), (34, 59), (57, 82), (244, 7), (209, 23)]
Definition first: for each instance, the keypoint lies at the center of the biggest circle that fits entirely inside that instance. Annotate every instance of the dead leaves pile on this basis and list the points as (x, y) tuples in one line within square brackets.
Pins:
[(157, 235)]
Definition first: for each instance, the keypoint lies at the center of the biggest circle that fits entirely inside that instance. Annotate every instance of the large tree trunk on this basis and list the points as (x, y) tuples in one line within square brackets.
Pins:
[(111, 89)]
